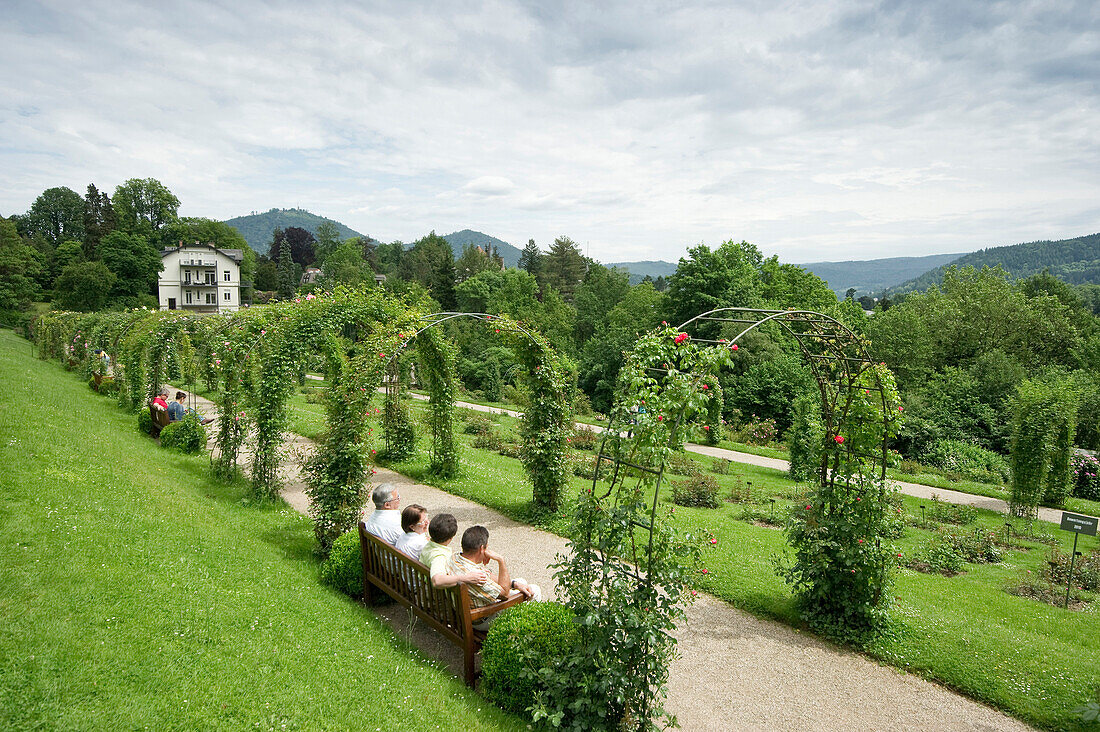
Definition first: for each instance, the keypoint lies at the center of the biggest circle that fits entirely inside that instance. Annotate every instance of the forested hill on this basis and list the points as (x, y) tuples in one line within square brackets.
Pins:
[(256, 228), (1076, 261), (651, 268), (460, 239), (872, 276)]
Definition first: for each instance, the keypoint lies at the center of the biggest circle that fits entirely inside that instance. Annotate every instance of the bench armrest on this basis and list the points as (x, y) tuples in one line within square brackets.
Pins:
[(481, 613)]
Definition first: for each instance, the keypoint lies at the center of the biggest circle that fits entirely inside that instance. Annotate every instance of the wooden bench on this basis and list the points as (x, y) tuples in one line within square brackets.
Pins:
[(447, 609), (160, 419)]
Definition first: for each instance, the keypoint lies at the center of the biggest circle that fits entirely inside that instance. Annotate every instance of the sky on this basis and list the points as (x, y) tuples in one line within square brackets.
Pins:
[(819, 131)]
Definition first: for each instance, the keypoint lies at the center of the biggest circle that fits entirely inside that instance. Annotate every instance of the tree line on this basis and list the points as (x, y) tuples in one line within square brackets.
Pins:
[(962, 350)]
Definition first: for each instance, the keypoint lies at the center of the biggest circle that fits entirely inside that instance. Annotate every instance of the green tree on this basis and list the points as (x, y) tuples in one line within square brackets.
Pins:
[(389, 257), (99, 220), (728, 276), (431, 262), (530, 260), (601, 290), (267, 275), (602, 357), (563, 267), (134, 262), (20, 266), (1043, 427), (56, 215), (288, 279), (344, 265), (143, 206), (328, 239), (85, 286), (473, 260)]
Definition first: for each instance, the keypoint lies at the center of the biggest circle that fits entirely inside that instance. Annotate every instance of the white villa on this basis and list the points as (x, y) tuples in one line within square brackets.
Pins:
[(201, 278)]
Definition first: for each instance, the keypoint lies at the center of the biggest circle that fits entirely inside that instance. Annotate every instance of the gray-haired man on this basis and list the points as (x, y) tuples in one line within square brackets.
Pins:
[(385, 522)]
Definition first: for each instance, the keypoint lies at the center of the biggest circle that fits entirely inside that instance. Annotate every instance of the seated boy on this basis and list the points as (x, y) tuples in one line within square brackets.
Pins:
[(437, 554)]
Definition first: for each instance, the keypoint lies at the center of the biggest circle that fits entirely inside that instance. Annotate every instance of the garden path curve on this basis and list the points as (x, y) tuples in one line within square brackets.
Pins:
[(735, 671), (1051, 515)]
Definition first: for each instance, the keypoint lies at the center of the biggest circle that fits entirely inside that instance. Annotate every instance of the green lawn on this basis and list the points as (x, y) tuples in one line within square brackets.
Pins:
[(137, 592), (1034, 661)]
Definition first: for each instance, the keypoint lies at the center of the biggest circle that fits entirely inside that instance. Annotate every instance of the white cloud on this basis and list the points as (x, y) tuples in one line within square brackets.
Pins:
[(815, 129)]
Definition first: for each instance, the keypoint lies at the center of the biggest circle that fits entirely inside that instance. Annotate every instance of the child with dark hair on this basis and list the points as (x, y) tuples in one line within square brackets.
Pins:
[(437, 553)]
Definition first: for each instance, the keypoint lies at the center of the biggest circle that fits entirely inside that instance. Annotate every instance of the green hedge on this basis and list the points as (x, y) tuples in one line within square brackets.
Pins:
[(343, 570), (187, 435), (521, 642)]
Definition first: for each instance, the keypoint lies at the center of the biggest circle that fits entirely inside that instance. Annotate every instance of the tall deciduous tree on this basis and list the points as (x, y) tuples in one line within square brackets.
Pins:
[(56, 215), (301, 243), (473, 260), (328, 239), (20, 268), (728, 276), (601, 290), (99, 220), (85, 286), (134, 262), (143, 206)]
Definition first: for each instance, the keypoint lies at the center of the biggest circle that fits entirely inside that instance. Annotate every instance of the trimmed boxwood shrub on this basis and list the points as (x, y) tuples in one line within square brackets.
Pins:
[(145, 422), (343, 570), (186, 435), (522, 641)]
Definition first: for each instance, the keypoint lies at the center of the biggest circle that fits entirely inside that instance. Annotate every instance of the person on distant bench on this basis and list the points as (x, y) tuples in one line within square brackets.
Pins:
[(160, 401), (385, 522), (436, 554), (475, 556), (177, 410), (414, 522)]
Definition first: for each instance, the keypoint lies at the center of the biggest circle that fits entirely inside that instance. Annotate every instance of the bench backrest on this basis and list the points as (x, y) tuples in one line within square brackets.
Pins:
[(447, 609)]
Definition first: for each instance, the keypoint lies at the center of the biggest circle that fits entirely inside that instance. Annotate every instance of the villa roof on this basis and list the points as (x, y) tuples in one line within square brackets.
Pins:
[(237, 255)]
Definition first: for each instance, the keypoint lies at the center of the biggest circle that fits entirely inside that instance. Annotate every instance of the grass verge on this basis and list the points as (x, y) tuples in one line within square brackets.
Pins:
[(139, 592)]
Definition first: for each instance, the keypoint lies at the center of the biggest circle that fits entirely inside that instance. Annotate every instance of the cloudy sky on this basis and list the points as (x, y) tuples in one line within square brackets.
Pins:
[(826, 130)]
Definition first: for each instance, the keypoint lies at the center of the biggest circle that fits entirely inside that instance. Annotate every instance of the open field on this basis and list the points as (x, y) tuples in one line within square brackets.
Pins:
[(137, 592)]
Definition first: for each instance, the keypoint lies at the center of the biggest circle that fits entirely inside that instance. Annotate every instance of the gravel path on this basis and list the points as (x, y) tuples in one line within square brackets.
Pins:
[(735, 671)]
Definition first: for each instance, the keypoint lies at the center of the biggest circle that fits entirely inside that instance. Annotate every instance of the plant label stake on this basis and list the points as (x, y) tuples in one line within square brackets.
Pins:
[(1078, 524)]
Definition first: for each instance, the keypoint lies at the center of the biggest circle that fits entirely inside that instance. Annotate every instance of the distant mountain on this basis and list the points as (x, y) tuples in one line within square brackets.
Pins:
[(256, 228), (1076, 261), (875, 275), (460, 239), (639, 270)]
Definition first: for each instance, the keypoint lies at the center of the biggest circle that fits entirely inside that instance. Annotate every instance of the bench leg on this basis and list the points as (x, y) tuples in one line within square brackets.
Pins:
[(468, 651)]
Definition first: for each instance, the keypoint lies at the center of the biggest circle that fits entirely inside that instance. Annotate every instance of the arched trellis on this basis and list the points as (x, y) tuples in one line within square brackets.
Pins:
[(546, 422), (627, 570)]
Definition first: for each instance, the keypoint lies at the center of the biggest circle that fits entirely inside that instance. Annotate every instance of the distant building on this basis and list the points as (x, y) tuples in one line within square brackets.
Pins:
[(309, 277), (201, 278)]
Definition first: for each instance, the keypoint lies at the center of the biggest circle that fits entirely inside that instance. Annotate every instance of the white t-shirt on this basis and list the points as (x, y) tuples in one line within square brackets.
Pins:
[(412, 543), (385, 523)]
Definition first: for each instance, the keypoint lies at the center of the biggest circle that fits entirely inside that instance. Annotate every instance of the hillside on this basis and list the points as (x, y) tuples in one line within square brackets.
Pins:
[(1076, 261), (460, 239), (639, 270), (875, 275), (256, 228)]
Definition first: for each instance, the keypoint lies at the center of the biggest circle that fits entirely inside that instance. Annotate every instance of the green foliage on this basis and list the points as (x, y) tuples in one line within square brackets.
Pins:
[(680, 463), (585, 439), (700, 491), (431, 262), (949, 548), (969, 461), (841, 565), (85, 286), (1086, 477), (476, 423), (952, 513), (56, 215), (438, 371), (805, 440), (133, 261), (144, 422), (186, 436), (343, 568), (760, 432), (397, 426), (617, 673), (256, 228), (729, 276), (142, 206), (1043, 425), (524, 646), (20, 268)]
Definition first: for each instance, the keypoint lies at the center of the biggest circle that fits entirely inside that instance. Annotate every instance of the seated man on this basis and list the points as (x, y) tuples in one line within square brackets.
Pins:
[(437, 554), (177, 410), (385, 522), (414, 522), (475, 555)]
